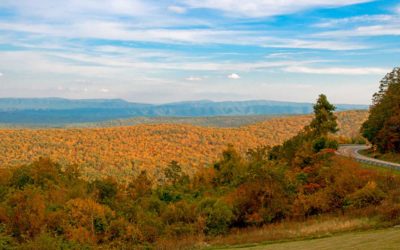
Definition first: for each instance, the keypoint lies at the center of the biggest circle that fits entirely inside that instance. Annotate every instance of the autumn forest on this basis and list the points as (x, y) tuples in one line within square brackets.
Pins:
[(171, 186)]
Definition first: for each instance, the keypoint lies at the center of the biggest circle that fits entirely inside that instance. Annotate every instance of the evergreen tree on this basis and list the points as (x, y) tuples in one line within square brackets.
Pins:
[(298, 150), (324, 121)]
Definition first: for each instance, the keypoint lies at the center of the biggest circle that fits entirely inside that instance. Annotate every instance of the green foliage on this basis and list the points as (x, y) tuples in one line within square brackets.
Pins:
[(218, 216), (324, 121), (173, 172), (107, 189), (381, 128), (21, 178), (369, 194), (298, 150), (229, 169), (45, 207), (321, 143)]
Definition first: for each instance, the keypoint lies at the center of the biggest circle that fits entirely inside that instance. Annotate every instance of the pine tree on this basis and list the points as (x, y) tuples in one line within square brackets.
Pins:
[(324, 121)]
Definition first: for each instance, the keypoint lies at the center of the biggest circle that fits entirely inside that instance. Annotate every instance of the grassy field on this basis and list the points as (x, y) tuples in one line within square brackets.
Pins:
[(374, 239)]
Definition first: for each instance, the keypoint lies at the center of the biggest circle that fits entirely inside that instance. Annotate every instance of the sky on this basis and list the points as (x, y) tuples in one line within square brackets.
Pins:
[(178, 50)]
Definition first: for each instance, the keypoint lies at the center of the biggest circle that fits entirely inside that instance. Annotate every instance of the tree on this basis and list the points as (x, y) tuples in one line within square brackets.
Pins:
[(229, 169), (381, 128), (298, 150), (173, 172), (324, 121)]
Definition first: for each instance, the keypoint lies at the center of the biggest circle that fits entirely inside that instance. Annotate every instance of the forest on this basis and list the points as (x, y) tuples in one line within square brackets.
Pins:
[(48, 205), (122, 151), (382, 128)]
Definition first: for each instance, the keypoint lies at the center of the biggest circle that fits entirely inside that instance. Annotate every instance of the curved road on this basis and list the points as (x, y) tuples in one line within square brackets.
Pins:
[(353, 152)]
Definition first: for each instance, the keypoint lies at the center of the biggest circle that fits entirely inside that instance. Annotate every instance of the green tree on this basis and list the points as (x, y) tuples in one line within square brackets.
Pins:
[(230, 170), (298, 150), (324, 121), (173, 172), (381, 127)]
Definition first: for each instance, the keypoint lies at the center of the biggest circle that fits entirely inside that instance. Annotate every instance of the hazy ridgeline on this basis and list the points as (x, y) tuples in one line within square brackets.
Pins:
[(57, 112)]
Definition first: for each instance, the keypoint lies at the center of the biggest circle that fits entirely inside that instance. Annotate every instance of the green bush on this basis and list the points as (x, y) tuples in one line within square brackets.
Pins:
[(218, 216)]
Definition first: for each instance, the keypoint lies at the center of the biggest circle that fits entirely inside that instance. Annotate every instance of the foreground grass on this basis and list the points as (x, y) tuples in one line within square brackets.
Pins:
[(320, 227), (374, 239)]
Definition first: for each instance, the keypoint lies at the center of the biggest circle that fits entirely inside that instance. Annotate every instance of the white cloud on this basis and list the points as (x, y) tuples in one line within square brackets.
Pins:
[(340, 22), (103, 90), (194, 78), (374, 30), (337, 70), (233, 76), (313, 44), (177, 9), (1, 74), (264, 8), (124, 32), (59, 9)]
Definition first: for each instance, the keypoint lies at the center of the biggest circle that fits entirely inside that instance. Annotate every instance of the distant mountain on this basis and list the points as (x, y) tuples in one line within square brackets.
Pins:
[(12, 104), (58, 111)]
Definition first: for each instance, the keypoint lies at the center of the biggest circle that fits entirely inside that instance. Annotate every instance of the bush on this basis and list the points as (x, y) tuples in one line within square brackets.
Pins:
[(370, 194), (218, 216)]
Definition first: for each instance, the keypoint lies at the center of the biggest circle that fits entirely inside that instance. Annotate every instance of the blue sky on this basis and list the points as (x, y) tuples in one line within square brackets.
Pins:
[(176, 50)]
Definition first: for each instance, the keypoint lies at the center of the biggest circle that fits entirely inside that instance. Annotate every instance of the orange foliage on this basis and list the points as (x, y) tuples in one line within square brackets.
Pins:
[(123, 151)]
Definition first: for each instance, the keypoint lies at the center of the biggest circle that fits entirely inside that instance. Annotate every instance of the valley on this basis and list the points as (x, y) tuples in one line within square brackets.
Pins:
[(124, 151)]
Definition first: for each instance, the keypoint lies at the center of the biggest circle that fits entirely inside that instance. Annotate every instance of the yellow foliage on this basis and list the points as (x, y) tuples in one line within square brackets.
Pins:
[(124, 151)]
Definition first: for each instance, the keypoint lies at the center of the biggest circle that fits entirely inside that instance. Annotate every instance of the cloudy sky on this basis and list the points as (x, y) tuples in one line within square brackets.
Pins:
[(174, 50)]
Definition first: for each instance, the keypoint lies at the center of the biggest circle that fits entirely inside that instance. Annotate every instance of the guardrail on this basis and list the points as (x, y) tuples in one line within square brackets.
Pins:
[(354, 153), (379, 164)]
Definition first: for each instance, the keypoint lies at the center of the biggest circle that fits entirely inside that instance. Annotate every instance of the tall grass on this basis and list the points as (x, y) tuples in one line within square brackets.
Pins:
[(288, 230)]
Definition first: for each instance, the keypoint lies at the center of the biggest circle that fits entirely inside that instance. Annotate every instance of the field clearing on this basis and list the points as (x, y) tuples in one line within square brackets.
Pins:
[(123, 151), (387, 239)]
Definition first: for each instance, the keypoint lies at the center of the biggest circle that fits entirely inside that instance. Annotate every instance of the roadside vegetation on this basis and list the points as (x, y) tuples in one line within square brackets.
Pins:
[(382, 126), (296, 189)]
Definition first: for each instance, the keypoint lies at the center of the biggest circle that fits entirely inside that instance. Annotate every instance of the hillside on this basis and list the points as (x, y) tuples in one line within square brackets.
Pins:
[(58, 112), (208, 121), (120, 151)]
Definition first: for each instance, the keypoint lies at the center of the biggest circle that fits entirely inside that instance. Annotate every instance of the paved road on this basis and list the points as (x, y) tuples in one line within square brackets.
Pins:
[(353, 152)]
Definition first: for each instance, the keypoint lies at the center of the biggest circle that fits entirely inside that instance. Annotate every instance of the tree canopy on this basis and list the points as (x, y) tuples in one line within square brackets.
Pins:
[(314, 137), (382, 128)]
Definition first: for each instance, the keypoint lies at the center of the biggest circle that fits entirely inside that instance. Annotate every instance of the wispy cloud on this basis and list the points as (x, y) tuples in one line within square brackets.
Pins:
[(193, 78), (340, 22), (104, 90), (58, 9), (123, 32), (337, 71), (366, 31), (190, 46), (177, 9), (265, 8)]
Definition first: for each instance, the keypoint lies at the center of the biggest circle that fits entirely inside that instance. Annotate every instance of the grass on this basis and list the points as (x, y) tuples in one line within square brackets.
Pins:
[(320, 227), (390, 157), (372, 239), (380, 169)]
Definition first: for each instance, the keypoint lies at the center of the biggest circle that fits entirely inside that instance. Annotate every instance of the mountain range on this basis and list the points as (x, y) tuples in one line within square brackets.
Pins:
[(59, 111)]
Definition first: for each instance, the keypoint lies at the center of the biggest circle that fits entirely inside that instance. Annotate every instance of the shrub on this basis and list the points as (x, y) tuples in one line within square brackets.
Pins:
[(370, 194), (218, 216)]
